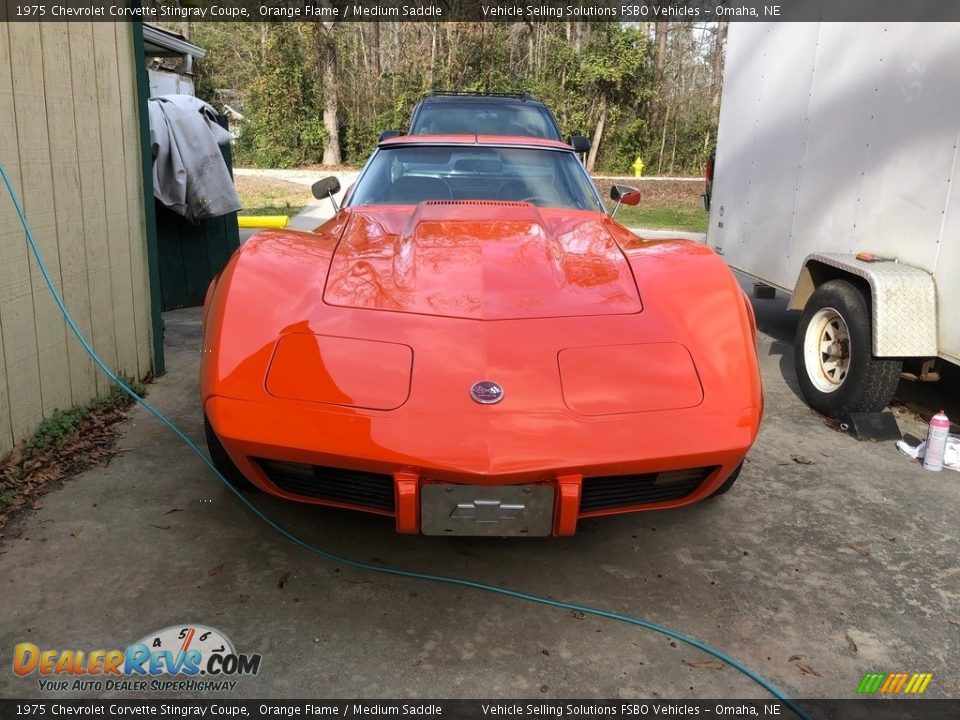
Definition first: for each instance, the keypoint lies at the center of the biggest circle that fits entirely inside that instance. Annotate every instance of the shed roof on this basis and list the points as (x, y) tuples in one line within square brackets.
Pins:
[(158, 42)]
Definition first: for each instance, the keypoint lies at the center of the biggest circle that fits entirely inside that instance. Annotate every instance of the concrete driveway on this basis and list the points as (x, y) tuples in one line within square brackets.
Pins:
[(316, 212), (829, 559)]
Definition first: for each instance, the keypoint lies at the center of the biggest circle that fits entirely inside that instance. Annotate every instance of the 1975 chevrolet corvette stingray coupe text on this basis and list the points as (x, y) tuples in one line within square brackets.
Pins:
[(472, 346)]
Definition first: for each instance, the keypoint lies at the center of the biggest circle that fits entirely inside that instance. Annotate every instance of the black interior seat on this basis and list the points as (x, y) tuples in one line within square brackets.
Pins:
[(515, 190), (417, 188)]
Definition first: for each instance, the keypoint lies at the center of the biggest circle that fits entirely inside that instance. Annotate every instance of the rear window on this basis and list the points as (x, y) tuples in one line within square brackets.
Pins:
[(475, 118)]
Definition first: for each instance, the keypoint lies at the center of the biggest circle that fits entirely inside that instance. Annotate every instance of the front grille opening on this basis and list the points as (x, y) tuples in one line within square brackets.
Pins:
[(612, 491), (354, 487)]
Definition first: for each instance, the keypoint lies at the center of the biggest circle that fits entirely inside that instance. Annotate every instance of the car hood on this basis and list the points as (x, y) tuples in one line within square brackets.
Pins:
[(484, 260)]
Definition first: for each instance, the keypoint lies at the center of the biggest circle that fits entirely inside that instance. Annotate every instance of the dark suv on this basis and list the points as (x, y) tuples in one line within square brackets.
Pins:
[(463, 113)]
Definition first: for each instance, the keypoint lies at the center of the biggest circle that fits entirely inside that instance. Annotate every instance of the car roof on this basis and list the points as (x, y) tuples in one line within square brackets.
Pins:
[(478, 140), (472, 98)]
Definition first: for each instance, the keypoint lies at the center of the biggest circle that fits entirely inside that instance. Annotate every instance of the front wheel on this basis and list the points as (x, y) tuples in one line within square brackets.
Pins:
[(836, 368), (222, 461), (728, 483)]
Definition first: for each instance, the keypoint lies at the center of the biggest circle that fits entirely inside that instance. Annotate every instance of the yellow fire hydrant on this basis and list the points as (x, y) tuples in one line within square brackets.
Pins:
[(638, 168)]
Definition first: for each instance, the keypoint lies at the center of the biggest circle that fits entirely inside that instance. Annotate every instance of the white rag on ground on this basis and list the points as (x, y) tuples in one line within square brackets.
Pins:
[(189, 174), (951, 453)]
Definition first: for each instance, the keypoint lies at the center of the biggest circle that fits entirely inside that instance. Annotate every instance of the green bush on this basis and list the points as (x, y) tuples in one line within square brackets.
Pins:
[(283, 124)]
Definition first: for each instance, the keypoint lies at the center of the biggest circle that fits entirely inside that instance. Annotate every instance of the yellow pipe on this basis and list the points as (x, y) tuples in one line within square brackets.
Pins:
[(263, 221)]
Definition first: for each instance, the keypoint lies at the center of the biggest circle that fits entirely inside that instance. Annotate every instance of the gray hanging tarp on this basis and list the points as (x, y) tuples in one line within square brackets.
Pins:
[(189, 174)]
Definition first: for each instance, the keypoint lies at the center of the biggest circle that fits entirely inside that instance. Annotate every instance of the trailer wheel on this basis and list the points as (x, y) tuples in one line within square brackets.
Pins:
[(835, 365)]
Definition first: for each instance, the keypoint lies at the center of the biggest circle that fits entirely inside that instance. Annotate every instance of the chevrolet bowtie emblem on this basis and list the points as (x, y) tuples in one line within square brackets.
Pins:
[(487, 511)]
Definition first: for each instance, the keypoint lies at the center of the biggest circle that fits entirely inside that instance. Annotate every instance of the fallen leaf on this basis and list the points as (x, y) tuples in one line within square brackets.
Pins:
[(865, 552), (75, 532), (807, 670), (283, 580), (173, 511), (578, 615), (545, 651), (851, 643), (216, 569), (673, 643), (705, 664), (162, 527), (37, 504), (792, 658), (801, 460), (954, 621)]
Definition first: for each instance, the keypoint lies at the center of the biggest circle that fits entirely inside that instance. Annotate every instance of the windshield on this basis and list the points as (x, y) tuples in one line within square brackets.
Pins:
[(407, 175), (474, 118)]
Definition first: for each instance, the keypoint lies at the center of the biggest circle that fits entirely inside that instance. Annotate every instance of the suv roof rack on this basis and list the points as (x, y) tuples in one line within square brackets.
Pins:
[(519, 96)]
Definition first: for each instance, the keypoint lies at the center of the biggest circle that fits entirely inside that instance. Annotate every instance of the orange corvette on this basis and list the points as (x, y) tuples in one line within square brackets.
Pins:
[(472, 346)]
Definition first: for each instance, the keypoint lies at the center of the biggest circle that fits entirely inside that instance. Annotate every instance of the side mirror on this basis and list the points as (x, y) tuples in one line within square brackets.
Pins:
[(624, 195), (328, 187), (387, 134), (579, 143)]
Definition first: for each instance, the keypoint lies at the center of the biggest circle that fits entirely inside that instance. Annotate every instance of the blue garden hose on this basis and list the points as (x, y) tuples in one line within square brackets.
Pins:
[(360, 565)]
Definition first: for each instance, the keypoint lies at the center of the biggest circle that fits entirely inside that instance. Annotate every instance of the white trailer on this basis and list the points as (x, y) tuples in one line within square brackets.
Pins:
[(837, 139)]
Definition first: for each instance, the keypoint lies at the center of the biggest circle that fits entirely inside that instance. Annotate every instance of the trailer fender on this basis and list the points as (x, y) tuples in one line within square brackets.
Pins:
[(902, 299)]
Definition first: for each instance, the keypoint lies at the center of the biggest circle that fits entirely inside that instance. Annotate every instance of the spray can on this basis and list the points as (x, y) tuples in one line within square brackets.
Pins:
[(936, 442)]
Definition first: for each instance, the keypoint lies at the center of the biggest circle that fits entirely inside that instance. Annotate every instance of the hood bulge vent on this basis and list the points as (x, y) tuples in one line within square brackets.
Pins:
[(500, 203)]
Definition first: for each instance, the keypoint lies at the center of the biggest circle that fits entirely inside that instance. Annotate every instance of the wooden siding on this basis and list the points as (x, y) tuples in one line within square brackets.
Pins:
[(69, 139)]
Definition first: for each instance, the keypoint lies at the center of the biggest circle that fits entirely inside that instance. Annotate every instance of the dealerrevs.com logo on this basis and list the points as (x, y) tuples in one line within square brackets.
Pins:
[(178, 658)]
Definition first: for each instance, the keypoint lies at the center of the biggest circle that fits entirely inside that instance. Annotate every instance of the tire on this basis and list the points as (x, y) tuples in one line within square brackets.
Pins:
[(222, 461), (837, 371), (728, 483)]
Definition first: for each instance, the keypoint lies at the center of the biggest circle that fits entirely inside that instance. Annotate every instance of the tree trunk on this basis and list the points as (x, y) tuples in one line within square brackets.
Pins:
[(663, 140), (673, 152), (433, 53), (531, 50), (377, 72), (662, 28), (331, 106), (597, 135), (661, 32), (716, 82), (327, 60)]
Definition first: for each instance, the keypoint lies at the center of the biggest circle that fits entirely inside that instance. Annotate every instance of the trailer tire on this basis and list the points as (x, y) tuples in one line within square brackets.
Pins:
[(835, 366)]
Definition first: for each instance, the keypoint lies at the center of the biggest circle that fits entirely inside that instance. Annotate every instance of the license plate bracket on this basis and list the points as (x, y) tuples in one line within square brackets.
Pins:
[(499, 510)]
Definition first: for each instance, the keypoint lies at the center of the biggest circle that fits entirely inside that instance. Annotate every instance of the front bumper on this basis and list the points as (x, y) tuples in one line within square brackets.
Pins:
[(382, 463)]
